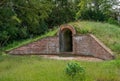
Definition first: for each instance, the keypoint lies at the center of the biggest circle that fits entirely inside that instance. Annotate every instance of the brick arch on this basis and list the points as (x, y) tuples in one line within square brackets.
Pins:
[(64, 27), (67, 27)]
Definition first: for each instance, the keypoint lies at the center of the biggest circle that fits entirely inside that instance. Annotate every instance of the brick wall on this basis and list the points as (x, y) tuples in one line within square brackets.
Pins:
[(90, 45), (82, 45), (48, 45)]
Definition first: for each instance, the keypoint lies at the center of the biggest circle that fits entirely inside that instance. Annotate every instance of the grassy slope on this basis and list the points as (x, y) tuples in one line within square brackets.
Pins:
[(107, 33), (34, 68)]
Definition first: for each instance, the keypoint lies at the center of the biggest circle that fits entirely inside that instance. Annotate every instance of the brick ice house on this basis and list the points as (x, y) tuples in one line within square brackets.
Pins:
[(66, 41)]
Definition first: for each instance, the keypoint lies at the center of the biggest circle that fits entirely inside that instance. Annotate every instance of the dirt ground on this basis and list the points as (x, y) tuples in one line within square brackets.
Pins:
[(81, 58)]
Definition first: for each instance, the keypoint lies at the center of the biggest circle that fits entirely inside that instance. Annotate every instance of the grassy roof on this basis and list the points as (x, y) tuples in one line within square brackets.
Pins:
[(109, 34)]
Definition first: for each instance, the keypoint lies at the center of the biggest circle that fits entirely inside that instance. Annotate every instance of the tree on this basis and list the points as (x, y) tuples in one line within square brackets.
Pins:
[(64, 11), (21, 19), (99, 10), (8, 24), (33, 13)]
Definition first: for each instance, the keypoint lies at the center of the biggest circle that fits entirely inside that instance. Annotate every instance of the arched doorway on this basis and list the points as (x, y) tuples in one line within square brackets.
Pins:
[(66, 40)]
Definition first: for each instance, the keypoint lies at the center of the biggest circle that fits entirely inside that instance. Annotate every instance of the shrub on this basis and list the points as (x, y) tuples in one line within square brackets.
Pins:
[(112, 21), (75, 71)]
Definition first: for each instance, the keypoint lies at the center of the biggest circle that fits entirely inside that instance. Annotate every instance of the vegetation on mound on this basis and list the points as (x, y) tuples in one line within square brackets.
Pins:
[(107, 33)]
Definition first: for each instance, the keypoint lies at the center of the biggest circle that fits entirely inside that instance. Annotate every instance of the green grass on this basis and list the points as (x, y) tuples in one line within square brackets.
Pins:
[(36, 68)]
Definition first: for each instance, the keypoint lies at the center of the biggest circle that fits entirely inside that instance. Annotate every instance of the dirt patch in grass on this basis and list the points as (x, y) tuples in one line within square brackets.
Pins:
[(79, 58)]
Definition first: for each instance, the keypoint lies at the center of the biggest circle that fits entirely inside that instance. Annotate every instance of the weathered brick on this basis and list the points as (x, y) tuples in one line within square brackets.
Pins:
[(82, 45)]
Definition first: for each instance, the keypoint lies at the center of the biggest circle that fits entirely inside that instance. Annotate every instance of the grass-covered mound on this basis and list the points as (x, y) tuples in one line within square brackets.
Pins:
[(109, 34)]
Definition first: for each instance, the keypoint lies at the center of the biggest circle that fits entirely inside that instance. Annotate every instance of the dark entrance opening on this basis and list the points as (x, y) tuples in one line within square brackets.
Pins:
[(66, 41)]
